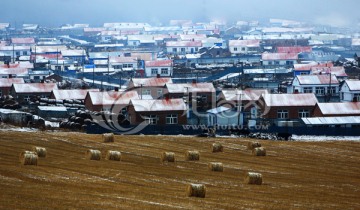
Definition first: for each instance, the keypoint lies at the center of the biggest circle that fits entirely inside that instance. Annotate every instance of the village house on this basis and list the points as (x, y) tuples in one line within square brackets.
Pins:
[(305, 68), (6, 83), (74, 55), (238, 47), (338, 71), (124, 63), (183, 47), (277, 108), (149, 88), (163, 68), (279, 59), (141, 41), (111, 101), (325, 87), (337, 109), (15, 52), (157, 112), (201, 94), (350, 91), (26, 92)]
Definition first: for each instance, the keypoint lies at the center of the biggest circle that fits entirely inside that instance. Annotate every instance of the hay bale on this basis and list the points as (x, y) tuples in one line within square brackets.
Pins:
[(28, 158), (253, 178), (259, 151), (40, 151), (213, 166), (93, 154), (108, 137), (251, 145), (168, 157), (192, 155), (113, 155), (217, 147), (196, 190)]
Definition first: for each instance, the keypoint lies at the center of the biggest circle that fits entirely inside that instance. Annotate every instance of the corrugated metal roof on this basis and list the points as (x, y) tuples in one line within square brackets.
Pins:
[(35, 87), (73, 53), (159, 105), (27, 65), (78, 94), (283, 100), (340, 108), (244, 43), (28, 40), (118, 59), (308, 66), (112, 97), (151, 82), (184, 44), (192, 37), (353, 84), (192, 87), (48, 49), (293, 49), (317, 79), (331, 120), (279, 56), (159, 63), (8, 82)]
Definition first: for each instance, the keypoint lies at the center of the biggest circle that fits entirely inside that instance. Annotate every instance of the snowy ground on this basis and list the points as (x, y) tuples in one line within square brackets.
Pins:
[(325, 138)]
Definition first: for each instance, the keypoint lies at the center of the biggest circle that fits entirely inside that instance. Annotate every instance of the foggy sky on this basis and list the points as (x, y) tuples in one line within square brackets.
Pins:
[(53, 13)]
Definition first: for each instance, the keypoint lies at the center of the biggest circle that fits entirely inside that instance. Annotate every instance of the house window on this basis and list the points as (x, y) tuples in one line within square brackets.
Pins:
[(283, 114), (17, 53), (57, 67), (0, 93), (164, 71), (319, 90), (289, 62), (151, 119), (270, 62), (25, 53), (307, 89), (304, 113), (154, 71), (235, 48), (160, 92), (146, 92), (174, 50), (332, 90), (243, 49), (134, 43), (277, 62), (303, 73), (196, 49), (182, 50), (27, 98), (171, 119)]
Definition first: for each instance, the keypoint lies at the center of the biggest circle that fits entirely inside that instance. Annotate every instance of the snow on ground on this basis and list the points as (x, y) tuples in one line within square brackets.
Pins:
[(325, 138)]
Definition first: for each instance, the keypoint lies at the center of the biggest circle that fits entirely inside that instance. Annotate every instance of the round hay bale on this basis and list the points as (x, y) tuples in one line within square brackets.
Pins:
[(40, 151), (259, 151), (113, 155), (214, 166), (168, 157), (93, 154), (253, 178), (192, 155), (196, 190), (251, 145), (108, 137), (28, 158), (217, 147)]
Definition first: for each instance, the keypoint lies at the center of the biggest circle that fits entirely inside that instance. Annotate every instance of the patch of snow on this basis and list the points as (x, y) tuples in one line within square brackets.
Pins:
[(324, 138)]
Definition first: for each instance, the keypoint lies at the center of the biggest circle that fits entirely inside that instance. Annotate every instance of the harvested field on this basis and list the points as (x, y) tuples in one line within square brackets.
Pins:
[(296, 175)]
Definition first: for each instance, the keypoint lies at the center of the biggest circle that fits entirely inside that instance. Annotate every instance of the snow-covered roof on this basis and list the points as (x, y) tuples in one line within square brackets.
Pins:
[(353, 85), (247, 94), (150, 82), (190, 87), (25, 64), (78, 94), (121, 59), (340, 108), (35, 87), (355, 42), (307, 66), (70, 53), (14, 71), (29, 40), (184, 44), (286, 100), (7, 82), (338, 71), (192, 37), (159, 105), (317, 79), (159, 63), (279, 56), (112, 97), (244, 43), (294, 49), (48, 49), (331, 120)]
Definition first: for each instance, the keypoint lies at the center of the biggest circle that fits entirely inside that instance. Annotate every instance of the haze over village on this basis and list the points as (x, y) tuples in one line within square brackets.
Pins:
[(127, 82)]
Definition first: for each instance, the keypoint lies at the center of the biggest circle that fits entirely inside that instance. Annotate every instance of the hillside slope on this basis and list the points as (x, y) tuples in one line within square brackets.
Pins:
[(296, 175)]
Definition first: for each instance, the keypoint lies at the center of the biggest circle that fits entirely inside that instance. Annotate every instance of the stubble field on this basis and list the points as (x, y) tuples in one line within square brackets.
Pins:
[(296, 175)]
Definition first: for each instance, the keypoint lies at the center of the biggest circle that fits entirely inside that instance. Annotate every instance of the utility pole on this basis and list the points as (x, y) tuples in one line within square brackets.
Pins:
[(108, 62)]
